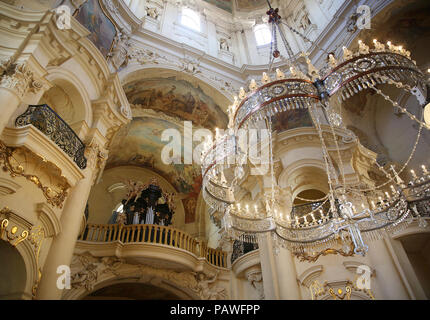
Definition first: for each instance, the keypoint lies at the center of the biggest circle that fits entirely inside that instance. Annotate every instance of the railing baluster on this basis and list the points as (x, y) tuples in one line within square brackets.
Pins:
[(110, 228), (156, 235), (139, 228), (145, 229), (133, 230), (127, 238)]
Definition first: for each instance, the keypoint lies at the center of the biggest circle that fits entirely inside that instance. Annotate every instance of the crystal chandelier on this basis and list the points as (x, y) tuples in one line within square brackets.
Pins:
[(333, 220)]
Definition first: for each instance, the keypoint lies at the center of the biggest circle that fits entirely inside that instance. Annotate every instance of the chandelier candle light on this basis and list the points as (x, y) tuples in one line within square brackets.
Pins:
[(333, 219)]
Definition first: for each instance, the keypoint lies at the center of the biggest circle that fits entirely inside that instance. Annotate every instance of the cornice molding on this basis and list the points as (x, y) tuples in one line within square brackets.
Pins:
[(310, 275), (7, 186)]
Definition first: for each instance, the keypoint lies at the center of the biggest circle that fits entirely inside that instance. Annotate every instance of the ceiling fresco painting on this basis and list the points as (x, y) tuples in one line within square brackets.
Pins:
[(102, 30), (250, 4), (177, 98), (139, 144), (292, 119), (226, 5)]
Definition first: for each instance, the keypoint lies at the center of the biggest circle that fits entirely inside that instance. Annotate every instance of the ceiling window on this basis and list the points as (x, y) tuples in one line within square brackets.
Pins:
[(190, 19), (263, 35)]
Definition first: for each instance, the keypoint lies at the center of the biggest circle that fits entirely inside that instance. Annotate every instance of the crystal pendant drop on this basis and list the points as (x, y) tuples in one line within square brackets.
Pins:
[(239, 172), (422, 223), (335, 119)]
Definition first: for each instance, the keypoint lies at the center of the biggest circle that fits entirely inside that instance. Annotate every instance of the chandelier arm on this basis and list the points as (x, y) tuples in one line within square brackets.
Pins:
[(410, 156), (273, 44), (304, 37), (342, 172), (326, 159), (272, 174), (284, 40), (324, 147)]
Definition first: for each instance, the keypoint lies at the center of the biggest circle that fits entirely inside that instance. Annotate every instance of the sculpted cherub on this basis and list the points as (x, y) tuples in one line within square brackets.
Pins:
[(205, 291)]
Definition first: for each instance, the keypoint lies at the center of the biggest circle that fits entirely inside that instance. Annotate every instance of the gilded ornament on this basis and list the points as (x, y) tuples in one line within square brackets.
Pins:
[(6, 158)]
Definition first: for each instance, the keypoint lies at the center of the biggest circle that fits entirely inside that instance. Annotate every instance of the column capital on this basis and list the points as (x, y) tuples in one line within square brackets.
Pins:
[(19, 78), (96, 158)]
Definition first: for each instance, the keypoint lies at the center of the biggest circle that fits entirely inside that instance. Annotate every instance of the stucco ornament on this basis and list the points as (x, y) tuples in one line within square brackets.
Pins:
[(206, 291)]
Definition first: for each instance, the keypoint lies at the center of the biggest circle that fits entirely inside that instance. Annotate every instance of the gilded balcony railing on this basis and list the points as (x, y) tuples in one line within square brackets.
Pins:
[(153, 234), (50, 123)]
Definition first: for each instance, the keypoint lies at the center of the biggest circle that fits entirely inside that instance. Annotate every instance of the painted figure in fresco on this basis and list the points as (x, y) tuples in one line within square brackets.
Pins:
[(177, 98), (102, 30)]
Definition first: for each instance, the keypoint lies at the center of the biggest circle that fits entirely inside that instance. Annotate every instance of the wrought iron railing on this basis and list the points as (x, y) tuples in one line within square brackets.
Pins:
[(241, 248), (50, 123), (153, 234)]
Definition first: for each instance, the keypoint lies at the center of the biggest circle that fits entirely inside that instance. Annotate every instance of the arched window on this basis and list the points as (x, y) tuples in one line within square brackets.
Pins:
[(190, 19), (263, 35)]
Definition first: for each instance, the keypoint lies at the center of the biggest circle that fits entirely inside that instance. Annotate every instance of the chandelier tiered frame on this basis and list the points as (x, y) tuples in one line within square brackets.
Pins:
[(365, 69)]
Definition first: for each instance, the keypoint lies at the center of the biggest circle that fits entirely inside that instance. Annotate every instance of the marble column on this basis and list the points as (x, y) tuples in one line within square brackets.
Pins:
[(287, 275), (63, 245), (268, 268), (390, 283)]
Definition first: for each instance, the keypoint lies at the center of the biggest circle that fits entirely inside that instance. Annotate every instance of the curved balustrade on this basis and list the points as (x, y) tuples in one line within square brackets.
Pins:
[(304, 209), (50, 123), (153, 234), (240, 248)]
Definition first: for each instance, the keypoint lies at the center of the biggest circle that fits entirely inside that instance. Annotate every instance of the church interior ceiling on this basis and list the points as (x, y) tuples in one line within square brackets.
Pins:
[(177, 98), (140, 144)]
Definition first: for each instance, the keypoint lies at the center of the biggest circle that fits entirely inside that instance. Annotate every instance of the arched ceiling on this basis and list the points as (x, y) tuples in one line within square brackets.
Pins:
[(238, 5), (132, 291), (219, 99), (163, 99), (140, 144), (176, 98)]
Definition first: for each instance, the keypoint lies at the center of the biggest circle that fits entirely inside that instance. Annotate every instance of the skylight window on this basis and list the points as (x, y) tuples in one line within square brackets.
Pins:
[(190, 19), (263, 35)]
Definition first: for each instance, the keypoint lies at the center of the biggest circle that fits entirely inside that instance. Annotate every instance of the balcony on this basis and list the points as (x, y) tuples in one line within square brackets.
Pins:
[(141, 241), (240, 248), (50, 123)]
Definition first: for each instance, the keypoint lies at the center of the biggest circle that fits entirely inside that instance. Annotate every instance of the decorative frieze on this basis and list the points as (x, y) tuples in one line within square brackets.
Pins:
[(88, 271)]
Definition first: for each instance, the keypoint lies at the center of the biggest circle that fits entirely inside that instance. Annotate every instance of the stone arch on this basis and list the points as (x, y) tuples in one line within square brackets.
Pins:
[(130, 274), (19, 283), (138, 72), (295, 176), (68, 89)]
